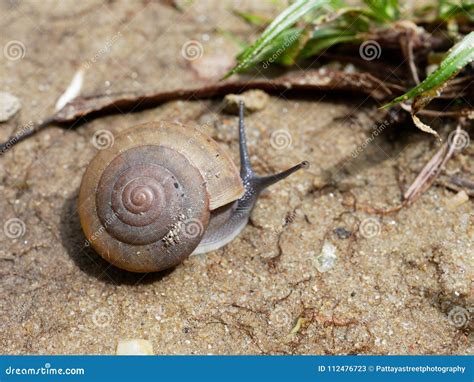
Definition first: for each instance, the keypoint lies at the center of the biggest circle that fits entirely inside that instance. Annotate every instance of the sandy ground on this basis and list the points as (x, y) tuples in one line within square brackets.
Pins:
[(399, 284)]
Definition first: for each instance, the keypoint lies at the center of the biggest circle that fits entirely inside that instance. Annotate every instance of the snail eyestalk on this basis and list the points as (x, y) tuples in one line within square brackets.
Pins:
[(245, 165), (259, 183), (228, 221), (262, 182)]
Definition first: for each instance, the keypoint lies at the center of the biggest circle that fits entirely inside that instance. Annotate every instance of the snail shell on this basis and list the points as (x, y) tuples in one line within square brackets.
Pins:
[(145, 202), (163, 191)]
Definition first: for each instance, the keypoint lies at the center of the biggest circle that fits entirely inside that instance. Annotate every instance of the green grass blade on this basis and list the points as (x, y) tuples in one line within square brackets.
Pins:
[(282, 22), (384, 10), (346, 26), (277, 50), (291, 51), (459, 56), (448, 10), (325, 38)]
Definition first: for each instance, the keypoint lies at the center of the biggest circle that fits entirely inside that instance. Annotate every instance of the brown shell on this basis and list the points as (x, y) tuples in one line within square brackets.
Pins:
[(144, 203), (222, 177)]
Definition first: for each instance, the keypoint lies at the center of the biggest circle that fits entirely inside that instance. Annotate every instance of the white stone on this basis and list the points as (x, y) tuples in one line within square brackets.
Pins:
[(73, 90), (9, 106), (326, 259), (134, 347)]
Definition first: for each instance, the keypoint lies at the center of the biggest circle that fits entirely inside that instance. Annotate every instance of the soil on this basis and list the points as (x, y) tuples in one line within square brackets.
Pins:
[(315, 271)]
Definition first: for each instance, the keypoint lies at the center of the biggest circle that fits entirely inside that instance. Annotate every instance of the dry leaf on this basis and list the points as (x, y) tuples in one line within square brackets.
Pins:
[(424, 127)]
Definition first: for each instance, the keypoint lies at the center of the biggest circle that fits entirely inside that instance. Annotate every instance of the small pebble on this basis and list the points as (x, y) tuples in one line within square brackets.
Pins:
[(254, 100), (326, 259), (319, 182), (9, 106), (342, 233), (134, 347)]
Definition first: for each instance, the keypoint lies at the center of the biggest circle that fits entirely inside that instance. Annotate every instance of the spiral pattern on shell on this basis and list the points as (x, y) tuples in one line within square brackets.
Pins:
[(145, 189), (143, 197), (145, 201)]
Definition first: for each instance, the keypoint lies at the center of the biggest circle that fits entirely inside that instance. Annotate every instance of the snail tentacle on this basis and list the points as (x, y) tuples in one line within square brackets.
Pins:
[(246, 170), (228, 221), (263, 182)]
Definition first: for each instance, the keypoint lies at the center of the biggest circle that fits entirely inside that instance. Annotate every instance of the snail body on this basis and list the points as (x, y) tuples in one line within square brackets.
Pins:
[(163, 191)]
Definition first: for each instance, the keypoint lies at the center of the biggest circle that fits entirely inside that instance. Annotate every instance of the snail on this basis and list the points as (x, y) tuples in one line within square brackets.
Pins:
[(163, 191)]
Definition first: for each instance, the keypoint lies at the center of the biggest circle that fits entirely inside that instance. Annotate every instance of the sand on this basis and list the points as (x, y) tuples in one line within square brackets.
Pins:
[(313, 273)]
